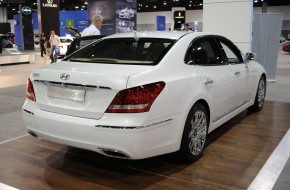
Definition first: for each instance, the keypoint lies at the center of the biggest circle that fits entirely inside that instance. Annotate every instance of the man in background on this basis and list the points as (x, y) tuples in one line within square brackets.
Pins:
[(186, 27), (94, 28), (54, 41)]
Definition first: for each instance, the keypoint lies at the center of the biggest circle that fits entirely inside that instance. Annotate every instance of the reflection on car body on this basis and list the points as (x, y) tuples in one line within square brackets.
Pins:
[(138, 95)]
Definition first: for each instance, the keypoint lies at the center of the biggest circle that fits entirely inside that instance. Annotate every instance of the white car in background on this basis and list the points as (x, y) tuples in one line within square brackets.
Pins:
[(138, 95), (65, 41)]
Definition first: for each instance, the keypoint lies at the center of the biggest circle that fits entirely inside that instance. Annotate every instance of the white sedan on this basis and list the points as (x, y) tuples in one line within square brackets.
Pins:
[(64, 43), (138, 95)]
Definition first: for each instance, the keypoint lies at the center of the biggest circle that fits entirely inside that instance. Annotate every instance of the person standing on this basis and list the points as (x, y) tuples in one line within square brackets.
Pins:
[(42, 41), (186, 27), (54, 42), (94, 28), (47, 48)]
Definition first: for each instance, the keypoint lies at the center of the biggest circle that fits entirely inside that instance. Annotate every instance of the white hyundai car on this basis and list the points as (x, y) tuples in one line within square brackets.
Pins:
[(138, 95)]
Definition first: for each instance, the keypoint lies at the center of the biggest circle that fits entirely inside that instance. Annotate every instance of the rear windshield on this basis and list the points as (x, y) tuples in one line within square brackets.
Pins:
[(145, 51)]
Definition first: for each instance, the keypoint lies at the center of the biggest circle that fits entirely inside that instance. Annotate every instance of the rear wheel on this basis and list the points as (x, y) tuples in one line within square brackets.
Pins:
[(260, 95), (195, 134)]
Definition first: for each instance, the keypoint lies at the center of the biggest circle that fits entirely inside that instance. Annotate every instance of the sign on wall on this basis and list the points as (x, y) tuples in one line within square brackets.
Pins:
[(160, 22)]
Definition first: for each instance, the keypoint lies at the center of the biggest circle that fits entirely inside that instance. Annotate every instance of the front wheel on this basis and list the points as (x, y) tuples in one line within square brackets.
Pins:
[(195, 134), (260, 95)]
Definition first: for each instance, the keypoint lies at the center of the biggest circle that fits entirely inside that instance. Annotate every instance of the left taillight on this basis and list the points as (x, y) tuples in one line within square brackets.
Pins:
[(30, 91), (137, 99)]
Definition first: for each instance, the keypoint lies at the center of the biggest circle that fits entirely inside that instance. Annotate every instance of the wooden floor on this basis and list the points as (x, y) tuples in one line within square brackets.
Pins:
[(234, 156)]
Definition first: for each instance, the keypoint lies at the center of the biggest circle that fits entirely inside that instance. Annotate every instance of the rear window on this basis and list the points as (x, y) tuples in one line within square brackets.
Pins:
[(124, 51)]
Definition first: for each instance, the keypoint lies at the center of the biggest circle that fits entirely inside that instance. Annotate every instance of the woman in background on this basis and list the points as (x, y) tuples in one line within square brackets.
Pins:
[(42, 42)]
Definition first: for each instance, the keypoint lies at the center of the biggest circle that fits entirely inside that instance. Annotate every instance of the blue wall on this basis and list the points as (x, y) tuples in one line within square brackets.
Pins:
[(76, 19)]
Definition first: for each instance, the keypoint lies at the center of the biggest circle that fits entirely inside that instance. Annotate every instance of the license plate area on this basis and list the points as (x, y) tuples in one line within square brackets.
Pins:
[(67, 92)]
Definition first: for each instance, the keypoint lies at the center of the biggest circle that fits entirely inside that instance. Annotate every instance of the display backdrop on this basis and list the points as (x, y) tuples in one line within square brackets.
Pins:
[(106, 9), (126, 13), (77, 19)]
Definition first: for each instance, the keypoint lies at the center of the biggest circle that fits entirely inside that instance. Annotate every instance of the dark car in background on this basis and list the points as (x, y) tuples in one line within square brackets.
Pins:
[(6, 43)]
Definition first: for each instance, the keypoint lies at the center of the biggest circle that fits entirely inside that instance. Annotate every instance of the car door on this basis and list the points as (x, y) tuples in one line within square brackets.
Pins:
[(240, 71), (216, 76)]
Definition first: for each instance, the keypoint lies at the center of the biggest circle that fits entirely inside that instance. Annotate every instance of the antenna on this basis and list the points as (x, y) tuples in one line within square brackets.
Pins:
[(136, 37)]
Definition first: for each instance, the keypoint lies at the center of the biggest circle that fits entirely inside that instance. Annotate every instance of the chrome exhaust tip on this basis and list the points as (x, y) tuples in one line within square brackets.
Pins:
[(113, 153), (32, 133)]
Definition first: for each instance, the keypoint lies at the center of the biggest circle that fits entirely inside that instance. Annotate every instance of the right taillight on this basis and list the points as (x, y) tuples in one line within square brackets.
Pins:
[(30, 91), (137, 99)]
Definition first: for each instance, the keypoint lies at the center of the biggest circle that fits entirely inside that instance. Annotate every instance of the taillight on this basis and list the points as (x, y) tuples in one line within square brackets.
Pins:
[(137, 99), (30, 91)]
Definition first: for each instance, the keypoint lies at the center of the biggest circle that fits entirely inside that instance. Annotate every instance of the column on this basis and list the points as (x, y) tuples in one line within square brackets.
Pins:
[(230, 18), (48, 16)]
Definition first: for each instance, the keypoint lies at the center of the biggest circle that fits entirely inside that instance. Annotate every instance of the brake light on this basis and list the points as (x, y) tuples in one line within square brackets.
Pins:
[(30, 91), (137, 99)]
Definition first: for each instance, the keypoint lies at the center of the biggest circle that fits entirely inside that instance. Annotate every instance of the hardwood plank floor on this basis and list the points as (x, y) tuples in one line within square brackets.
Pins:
[(235, 154)]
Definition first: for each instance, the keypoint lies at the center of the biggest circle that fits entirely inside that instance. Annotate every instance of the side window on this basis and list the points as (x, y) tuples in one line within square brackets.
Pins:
[(232, 53), (204, 51)]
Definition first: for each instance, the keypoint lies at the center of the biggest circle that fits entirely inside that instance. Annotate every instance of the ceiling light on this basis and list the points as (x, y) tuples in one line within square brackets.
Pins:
[(76, 7), (154, 6), (86, 3)]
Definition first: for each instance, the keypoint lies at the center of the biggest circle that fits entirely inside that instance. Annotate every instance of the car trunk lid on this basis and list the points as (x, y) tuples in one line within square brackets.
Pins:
[(80, 89)]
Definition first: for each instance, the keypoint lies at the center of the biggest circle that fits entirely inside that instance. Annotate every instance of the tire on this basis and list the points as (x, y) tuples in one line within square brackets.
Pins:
[(194, 136), (260, 95)]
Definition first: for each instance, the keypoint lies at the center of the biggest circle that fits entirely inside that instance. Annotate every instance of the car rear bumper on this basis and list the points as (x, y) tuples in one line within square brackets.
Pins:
[(134, 141)]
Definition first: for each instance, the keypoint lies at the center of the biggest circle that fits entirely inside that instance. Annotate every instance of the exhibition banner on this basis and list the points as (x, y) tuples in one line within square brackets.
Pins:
[(126, 12), (106, 9)]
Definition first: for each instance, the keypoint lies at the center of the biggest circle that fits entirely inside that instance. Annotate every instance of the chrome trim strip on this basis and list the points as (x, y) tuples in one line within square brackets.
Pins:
[(71, 84), (28, 111), (231, 110), (135, 127)]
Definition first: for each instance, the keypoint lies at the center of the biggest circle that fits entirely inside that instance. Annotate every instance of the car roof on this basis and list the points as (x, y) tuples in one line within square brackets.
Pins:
[(163, 34)]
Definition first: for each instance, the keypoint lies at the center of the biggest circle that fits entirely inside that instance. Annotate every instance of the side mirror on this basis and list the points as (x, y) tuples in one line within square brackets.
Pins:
[(250, 56)]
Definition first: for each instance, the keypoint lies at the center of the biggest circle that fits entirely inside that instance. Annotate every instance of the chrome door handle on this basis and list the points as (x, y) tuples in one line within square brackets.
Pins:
[(237, 72), (208, 81)]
